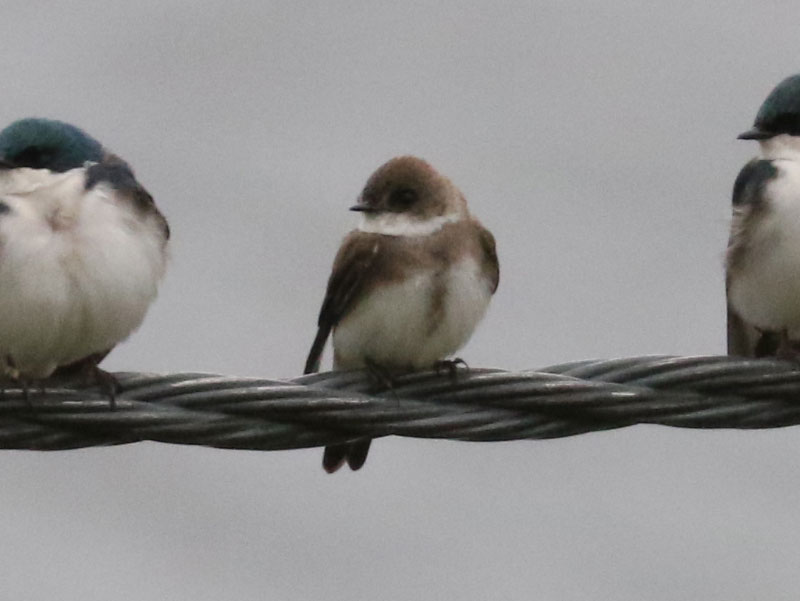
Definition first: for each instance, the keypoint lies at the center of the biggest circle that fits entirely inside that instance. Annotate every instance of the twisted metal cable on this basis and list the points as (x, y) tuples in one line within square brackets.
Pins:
[(476, 404)]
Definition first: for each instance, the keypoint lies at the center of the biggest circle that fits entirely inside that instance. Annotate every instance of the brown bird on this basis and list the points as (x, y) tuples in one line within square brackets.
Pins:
[(408, 286)]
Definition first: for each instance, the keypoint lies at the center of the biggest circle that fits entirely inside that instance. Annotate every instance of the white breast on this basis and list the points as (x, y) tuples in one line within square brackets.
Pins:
[(78, 270), (766, 293), (393, 325)]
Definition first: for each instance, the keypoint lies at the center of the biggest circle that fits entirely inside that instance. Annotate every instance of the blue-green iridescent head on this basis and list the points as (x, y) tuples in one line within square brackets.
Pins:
[(47, 144), (779, 114)]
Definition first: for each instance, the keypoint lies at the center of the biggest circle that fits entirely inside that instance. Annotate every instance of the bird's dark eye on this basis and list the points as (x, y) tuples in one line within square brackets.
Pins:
[(402, 198), (34, 157)]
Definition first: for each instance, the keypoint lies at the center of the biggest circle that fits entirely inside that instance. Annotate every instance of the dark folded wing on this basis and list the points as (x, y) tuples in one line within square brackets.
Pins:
[(355, 261), (748, 202), (118, 174)]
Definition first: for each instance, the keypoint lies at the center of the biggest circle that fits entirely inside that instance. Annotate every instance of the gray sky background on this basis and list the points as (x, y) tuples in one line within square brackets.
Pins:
[(596, 140)]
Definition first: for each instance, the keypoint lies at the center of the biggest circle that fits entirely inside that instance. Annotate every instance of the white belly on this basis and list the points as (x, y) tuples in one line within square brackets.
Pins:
[(69, 292), (766, 292), (393, 325)]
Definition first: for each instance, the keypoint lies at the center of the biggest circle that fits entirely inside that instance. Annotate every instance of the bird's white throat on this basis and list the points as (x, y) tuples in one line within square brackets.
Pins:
[(782, 146), (402, 224)]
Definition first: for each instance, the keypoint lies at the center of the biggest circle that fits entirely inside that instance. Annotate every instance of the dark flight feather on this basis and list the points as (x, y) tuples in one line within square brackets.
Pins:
[(749, 202)]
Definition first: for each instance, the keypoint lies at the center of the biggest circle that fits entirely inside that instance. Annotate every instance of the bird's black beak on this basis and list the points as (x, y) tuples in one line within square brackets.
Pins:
[(362, 208), (755, 133)]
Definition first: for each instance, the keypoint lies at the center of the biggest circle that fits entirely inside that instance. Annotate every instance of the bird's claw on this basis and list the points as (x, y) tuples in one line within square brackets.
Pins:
[(450, 366)]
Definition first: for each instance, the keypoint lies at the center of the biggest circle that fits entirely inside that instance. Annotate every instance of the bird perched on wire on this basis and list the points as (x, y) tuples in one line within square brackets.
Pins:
[(763, 257), (82, 250), (408, 286)]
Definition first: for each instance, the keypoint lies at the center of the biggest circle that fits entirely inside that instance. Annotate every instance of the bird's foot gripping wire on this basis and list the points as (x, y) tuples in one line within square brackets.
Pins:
[(787, 349), (451, 366)]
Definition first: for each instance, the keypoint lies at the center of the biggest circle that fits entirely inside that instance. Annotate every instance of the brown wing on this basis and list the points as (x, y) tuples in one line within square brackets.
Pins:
[(355, 261), (490, 255)]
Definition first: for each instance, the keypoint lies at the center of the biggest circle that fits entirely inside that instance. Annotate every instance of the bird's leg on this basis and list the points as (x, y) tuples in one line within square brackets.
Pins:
[(379, 375), (10, 372), (451, 366), (786, 351), (109, 383), (86, 372), (26, 395), (90, 373), (767, 343)]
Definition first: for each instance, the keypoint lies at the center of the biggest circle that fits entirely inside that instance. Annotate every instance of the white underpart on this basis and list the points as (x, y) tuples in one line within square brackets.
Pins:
[(766, 291), (403, 224), (393, 326), (77, 269), (783, 146)]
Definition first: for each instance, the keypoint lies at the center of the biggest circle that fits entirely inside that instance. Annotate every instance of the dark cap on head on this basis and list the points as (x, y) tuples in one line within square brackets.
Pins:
[(47, 144), (779, 114)]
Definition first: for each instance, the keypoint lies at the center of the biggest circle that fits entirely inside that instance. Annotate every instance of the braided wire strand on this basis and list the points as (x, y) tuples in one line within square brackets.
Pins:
[(474, 405)]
